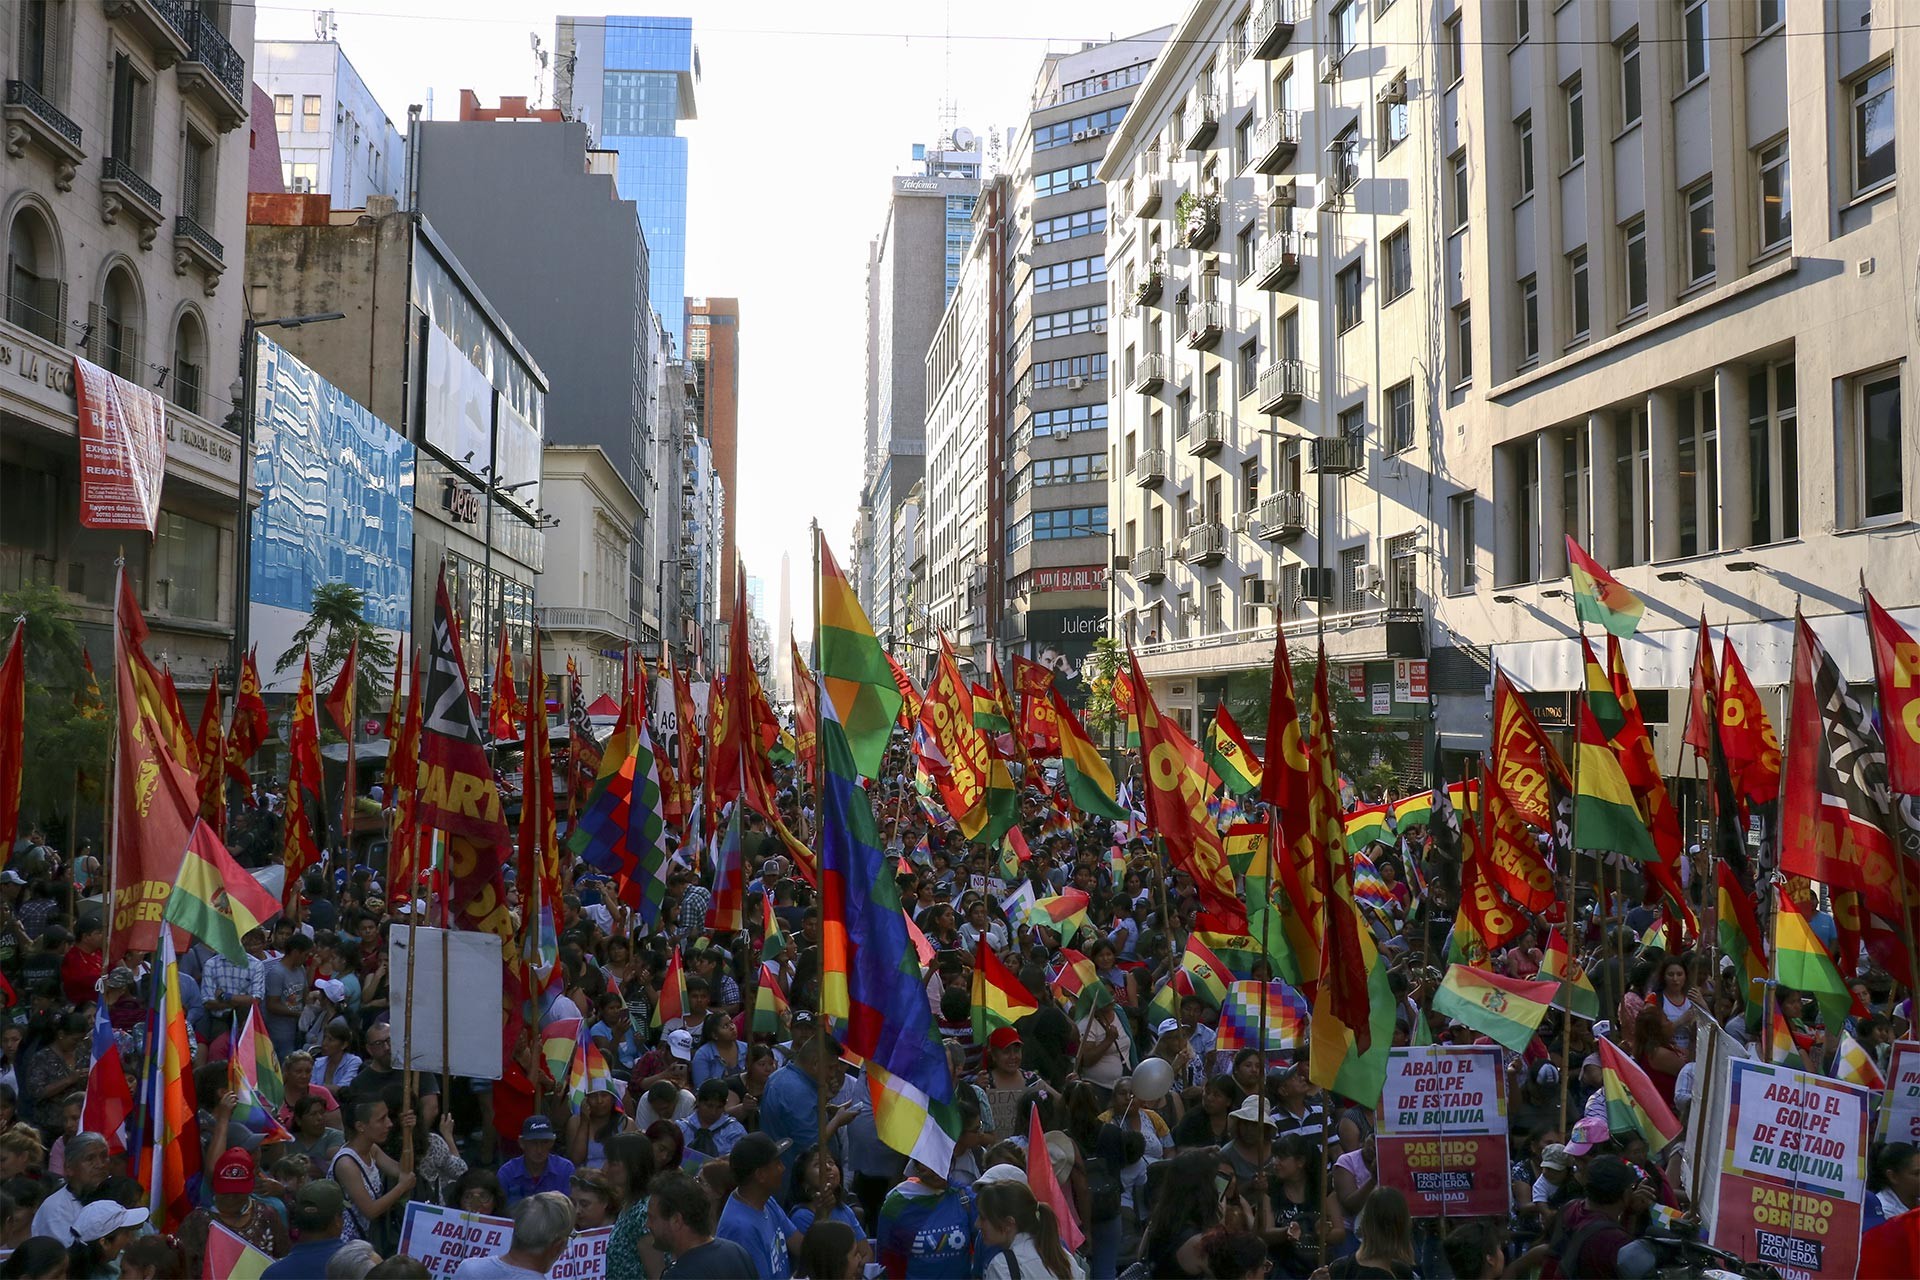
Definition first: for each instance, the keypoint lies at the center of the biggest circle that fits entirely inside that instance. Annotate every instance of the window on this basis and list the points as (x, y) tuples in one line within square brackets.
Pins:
[(36, 295), (1396, 264), (1879, 445), (1529, 320), (1773, 455), (1523, 143), (1776, 196), (1462, 570), (1068, 226), (37, 60), (1693, 34), (1403, 571), (1346, 297), (1066, 522), (1700, 232), (300, 176), (1182, 415), (1629, 51), (1065, 275), (1058, 324), (1352, 426), (1072, 178), (1250, 485), (1698, 472), (1344, 153), (1576, 105), (1066, 132), (115, 340), (283, 113), (1632, 488), (1393, 124), (1459, 190), (1066, 370), (310, 113), (1873, 108), (1242, 142), (1343, 26), (1216, 608), (1243, 250), (1071, 421), (1577, 280), (189, 368), (1353, 568), (197, 178), (186, 567), (1286, 336), (1522, 21), (132, 115), (1249, 371), (1078, 469), (1456, 51), (1519, 561), (1399, 405), (1462, 352), (1635, 236), (1769, 14)]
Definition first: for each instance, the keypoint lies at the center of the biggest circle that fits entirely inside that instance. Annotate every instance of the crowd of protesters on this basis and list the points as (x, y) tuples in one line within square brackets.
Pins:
[(706, 1154)]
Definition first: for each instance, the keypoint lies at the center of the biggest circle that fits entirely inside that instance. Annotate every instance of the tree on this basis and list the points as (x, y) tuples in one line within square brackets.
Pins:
[(1369, 751), (339, 612), (1098, 673), (67, 737)]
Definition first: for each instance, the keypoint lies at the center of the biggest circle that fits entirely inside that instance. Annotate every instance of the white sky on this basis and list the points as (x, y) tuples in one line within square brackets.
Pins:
[(805, 111)]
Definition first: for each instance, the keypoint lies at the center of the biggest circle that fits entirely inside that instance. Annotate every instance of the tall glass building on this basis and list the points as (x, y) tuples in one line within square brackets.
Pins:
[(631, 81)]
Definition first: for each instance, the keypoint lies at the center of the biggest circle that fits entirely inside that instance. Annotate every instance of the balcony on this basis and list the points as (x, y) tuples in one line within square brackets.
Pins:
[(1283, 515), (1205, 544), (214, 72), (1150, 469), (1150, 564), (31, 118), (603, 621), (1271, 29), (1336, 455), (124, 191), (1147, 288), (1199, 219), (194, 247), (163, 24), (1275, 142), (1146, 187), (1150, 373), (1209, 434), (1276, 264), (1204, 122), (1204, 321), (1282, 386)]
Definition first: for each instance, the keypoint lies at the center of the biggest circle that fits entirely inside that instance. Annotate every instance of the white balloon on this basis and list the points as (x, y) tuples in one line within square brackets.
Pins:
[(1151, 1079)]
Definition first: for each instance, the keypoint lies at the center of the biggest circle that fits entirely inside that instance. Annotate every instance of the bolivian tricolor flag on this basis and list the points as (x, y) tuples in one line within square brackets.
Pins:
[(1507, 1010), (1633, 1104), (1202, 973), (1800, 959), (1740, 940), (1414, 811), (1089, 781), (999, 999), (1599, 597), (1577, 995), (1604, 814), (1365, 825), (1229, 755), (1065, 912), (769, 1004)]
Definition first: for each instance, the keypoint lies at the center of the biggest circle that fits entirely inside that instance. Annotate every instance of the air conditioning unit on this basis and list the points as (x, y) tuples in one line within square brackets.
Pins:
[(1369, 580), (1081, 135), (303, 186), (1395, 91), (1285, 196), (1076, 384), (1100, 326), (1330, 68), (1260, 590)]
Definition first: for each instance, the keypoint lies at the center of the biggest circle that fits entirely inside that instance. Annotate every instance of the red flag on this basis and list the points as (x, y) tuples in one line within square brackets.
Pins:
[(340, 698), (728, 759), (1649, 794), (539, 849), (108, 1103), (909, 696), (1701, 694), (1046, 1187), (806, 710), (1039, 730), (186, 747), (403, 776), (503, 708), (249, 728), (1896, 670), (1175, 779), (1525, 765), (305, 799), (1284, 783), (1747, 739), (1345, 955), (687, 733), (1888, 1250), (13, 733), (213, 763)]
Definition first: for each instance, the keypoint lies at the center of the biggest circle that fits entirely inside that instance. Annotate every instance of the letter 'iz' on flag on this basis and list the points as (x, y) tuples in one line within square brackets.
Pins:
[(1576, 995), (1175, 778), (13, 730), (214, 898), (1603, 808), (1633, 1103), (1800, 960), (854, 674), (1089, 781), (1599, 597), (1506, 1010), (1896, 669), (999, 998), (1230, 756)]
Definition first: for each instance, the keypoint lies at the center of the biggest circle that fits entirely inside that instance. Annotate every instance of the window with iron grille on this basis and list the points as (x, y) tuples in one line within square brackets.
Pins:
[(1403, 571)]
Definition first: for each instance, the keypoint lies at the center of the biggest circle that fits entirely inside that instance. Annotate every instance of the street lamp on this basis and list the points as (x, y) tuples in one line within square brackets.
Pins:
[(249, 365)]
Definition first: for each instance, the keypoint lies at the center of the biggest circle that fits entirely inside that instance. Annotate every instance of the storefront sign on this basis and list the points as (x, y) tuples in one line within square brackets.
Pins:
[(216, 447), (1793, 1171), (1382, 699), (461, 503), (1443, 1130), (1357, 679), (123, 449), (1410, 679), (1080, 577)]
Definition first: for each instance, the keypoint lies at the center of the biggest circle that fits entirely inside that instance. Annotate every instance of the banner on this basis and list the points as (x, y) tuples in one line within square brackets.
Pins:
[(123, 449), (1793, 1171), (1900, 1109), (441, 1239), (1443, 1131)]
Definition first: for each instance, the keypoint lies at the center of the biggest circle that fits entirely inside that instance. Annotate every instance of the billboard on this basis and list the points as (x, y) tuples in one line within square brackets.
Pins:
[(1062, 639), (459, 416), (336, 505)]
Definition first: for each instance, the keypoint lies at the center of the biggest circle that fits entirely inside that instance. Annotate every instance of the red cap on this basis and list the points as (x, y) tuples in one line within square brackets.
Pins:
[(234, 1172), (1002, 1037)]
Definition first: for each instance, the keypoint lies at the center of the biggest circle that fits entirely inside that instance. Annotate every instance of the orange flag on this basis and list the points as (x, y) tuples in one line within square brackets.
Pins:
[(1175, 778), (503, 708), (249, 727), (1747, 738), (305, 796), (213, 757)]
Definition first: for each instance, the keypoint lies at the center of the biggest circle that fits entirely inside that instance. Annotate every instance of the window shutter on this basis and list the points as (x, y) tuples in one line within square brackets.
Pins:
[(97, 334)]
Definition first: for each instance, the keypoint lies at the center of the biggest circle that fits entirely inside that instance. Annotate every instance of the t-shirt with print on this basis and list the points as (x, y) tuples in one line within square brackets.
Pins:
[(926, 1234), (762, 1233)]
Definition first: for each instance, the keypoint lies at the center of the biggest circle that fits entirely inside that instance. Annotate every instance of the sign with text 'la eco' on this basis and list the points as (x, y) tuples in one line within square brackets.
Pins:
[(1443, 1130)]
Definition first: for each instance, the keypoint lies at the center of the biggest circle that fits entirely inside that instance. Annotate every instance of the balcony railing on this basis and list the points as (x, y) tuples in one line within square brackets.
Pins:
[(1204, 321), (1276, 264), (31, 117), (1146, 187), (1209, 434), (605, 621), (164, 24), (215, 68), (1200, 222), (189, 232), (1283, 515), (1150, 469), (123, 189), (1282, 386), (1275, 142), (1149, 564), (1205, 544), (1150, 372), (1147, 288), (1271, 30), (1204, 122)]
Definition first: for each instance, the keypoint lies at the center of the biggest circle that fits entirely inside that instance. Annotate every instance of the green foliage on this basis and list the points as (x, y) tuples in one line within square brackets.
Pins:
[(1369, 750), (1097, 674), (339, 613), (63, 739)]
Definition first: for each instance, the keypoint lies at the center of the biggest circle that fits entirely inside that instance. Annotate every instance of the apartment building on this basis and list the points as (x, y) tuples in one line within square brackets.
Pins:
[(123, 197), (335, 137), (585, 591), (1273, 375), (1049, 583)]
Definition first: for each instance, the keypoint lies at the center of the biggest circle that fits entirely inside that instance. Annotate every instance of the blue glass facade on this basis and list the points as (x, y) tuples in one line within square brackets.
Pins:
[(336, 496), (644, 92)]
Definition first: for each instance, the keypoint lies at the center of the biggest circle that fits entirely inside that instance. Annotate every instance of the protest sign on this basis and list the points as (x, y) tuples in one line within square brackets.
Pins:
[(1793, 1171), (1442, 1140), (1900, 1109), (441, 1239)]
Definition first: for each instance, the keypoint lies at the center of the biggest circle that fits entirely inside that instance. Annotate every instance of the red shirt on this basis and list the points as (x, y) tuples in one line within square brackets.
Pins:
[(80, 972)]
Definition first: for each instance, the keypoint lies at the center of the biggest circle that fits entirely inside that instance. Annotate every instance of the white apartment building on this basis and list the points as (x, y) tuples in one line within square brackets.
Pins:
[(1273, 377), (335, 138), (584, 590), (955, 486)]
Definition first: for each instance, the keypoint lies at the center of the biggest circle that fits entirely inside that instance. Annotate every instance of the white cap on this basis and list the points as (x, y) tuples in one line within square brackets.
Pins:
[(102, 1218), (680, 1044), (332, 988)]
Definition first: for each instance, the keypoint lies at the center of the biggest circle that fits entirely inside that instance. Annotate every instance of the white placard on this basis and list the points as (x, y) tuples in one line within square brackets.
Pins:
[(473, 1021)]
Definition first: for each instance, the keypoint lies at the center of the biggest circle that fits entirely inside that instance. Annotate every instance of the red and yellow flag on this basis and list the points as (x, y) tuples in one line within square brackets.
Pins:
[(1525, 765), (806, 710), (974, 784), (1896, 669), (1175, 778), (1702, 693), (213, 758), (1747, 739), (1032, 683), (249, 728), (503, 706), (299, 849), (1342, 1002)]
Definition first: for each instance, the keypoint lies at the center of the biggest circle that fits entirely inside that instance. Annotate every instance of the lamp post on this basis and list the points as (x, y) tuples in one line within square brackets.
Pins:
[(249, 365)]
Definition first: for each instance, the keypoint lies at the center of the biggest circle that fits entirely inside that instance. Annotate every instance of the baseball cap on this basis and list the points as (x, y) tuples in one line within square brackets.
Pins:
[(102, 1218), (1556, 1157), (751, 1154), (234, 1172), (1001, 1173), (1591, 1060), (1587, 1134), (680, 1044), (771, 867), (537, 1129), (1002, 1037), (1166, 1025), (1608, 1179), (10, 876), (317, 1204), (332, 988)]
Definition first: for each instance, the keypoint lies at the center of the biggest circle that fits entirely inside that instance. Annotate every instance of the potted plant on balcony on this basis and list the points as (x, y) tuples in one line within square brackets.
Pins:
[(1193, 217)]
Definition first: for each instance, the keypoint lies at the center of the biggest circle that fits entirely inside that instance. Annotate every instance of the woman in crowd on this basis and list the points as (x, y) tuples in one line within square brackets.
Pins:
[(478, 1191), (831, 1250), (438, 1163), (1386, 1241), (1682, 1005), (54, 1070), (592, 1199), (296, 1071), (631, 1253), (1893, 1182), (1655, 1050), (721, 1053), (313, 1137), (1187, 1208), (1026, 1235), (336, 1065), (363, 1170), (744, 1089), (1301, 1207), (590, 1128)]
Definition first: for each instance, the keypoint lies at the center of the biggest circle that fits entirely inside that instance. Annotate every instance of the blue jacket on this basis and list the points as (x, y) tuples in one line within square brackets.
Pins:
[(305, 1260), (519, 1184)]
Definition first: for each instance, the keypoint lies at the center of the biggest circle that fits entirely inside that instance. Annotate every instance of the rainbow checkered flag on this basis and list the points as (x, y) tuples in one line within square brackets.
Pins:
[(1287, 1016)]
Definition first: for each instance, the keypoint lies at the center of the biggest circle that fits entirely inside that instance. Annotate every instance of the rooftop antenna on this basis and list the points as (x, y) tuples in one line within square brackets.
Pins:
[(540, 61), (948, 111), (325, 25)]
